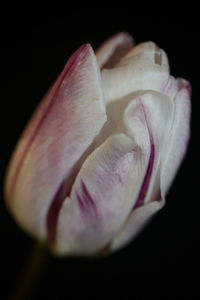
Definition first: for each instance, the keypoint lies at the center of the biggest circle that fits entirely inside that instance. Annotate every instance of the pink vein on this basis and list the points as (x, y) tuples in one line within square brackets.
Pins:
[(147, 177)]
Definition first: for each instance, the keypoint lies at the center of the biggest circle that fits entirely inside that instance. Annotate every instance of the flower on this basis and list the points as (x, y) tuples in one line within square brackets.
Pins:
[(100, 153)]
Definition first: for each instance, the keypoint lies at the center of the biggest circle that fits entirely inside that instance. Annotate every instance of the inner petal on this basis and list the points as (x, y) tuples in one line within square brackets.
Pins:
[(139, 70)]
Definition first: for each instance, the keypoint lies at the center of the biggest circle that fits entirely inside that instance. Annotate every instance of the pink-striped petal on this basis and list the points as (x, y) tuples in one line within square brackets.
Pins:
[(62, 128), (157, 112), (102, 197)]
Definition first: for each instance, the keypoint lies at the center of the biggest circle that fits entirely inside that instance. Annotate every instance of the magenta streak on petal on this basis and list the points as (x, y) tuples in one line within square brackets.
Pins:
[(189, 89), (70, 66), (85, 200), (63, 192), (147, 177)]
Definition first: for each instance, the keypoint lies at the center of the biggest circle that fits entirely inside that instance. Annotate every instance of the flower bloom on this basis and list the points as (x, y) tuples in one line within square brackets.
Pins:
[(100, 153)]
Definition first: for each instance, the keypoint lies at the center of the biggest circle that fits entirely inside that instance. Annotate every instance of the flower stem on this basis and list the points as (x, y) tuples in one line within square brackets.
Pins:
[(31, 274)]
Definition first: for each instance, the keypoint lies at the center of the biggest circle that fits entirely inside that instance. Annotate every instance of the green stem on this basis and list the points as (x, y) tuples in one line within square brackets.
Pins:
[(31, 273)]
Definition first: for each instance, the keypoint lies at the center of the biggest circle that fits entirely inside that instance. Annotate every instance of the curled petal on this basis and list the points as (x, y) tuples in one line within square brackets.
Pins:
[(111, 51), (102, 197), (62, 128), (170, 131)]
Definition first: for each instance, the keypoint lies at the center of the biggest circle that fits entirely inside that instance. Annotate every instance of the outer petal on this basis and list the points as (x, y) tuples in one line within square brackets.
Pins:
[(143, 68), (179, 135), (102, 197), (64, 125), (110, 52), (158, 111)]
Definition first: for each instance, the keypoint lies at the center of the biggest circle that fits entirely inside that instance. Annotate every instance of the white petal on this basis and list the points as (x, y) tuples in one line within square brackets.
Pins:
[(62, 128), (147, 51), (112, 50), (139, 70)]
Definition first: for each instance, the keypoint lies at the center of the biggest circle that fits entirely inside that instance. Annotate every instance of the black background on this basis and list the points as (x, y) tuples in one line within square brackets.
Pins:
[(163, 262)]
